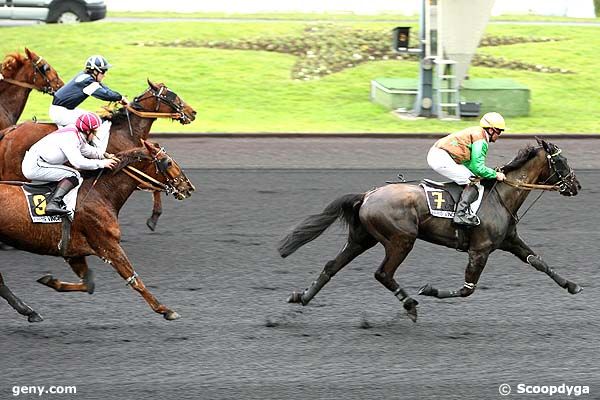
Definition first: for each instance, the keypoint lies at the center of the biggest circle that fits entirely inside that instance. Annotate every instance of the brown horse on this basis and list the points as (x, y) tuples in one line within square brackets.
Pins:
[(21, 74), (129, 125), (396, 215), (95, 228)]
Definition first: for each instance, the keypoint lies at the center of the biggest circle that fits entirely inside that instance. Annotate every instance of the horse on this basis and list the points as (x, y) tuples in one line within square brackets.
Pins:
[(22, 73), (129, 125), (95, 227), (396, 215)]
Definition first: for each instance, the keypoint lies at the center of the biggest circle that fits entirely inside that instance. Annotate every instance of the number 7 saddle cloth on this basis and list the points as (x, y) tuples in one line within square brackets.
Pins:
[(443, 197)]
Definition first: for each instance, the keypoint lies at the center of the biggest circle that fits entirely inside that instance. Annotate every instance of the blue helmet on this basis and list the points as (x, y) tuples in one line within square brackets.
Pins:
[(97, 63)]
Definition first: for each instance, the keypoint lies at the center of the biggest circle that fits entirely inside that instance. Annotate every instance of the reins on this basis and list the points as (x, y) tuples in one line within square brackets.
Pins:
[(530, 186), (19, 83), (146, 181), (525, 186), (151, 114)]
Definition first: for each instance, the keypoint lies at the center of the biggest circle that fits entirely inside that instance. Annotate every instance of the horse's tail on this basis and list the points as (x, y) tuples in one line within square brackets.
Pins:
[(345, 207)]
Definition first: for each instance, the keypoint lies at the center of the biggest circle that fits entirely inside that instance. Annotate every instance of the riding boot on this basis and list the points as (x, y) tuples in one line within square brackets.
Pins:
[(54, 204), (463, 215)]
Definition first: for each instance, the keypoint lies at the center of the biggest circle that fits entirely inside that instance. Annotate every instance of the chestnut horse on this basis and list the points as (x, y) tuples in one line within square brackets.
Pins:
[(95, 228), (129, 125), (396, 215), (21, 74)]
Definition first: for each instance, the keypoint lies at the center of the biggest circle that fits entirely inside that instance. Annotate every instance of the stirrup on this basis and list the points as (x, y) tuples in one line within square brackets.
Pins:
[(467, 220), (57, 211)]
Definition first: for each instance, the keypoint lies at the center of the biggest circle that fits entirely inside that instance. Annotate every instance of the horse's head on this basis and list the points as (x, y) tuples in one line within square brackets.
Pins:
[(31, 70), (158, 98), (560, 172), (166, 174)]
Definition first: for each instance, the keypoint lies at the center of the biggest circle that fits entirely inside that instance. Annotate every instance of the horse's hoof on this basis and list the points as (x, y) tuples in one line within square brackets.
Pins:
[(573, 288), (427, 290), (45, 280), (295, 297), (89, 281), (34, 317), (151, 224), (410, 305), (171, 315)]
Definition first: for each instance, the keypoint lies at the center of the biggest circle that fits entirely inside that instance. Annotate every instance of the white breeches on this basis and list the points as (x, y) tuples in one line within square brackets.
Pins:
[(440, 161), (62, 116), (35, 169)]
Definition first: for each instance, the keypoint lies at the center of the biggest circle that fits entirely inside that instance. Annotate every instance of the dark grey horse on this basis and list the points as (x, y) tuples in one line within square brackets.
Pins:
[(397, 215)]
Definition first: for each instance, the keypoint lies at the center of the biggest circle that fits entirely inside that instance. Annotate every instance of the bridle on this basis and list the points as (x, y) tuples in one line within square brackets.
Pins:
[(562, 185), (38, 69), (564, 181), (162, 95), (146, 182)]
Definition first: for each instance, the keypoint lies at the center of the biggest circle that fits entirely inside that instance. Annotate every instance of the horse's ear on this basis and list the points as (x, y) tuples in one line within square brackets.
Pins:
[(543, 143), (149, 146), (539, 140), (30, 54), (152, 84)]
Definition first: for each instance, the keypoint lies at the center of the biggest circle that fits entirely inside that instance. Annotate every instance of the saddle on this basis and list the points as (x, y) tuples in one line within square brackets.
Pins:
[(36, 194), (39, 187)]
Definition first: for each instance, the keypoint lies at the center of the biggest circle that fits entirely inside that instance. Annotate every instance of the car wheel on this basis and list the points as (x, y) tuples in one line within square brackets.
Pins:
[(68, 13)]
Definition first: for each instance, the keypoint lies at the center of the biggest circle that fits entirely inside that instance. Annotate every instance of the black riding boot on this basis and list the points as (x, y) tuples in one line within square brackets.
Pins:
[(463, 215), (54, 204)]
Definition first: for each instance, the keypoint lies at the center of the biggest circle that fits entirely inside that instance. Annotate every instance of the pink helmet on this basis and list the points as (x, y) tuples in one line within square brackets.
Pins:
[(88, 122)]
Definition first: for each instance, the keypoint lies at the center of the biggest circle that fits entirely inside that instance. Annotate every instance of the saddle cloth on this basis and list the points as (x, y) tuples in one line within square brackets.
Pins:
[(443, 197), (36, 195)]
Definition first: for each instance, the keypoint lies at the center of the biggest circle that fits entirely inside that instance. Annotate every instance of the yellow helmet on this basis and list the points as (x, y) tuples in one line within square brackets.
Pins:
[(492, 120)]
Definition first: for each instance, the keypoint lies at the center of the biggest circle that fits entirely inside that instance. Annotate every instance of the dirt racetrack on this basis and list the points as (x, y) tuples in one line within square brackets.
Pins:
[(213, 260)]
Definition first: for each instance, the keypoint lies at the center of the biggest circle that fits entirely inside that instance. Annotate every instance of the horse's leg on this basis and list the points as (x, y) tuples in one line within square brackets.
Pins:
[(80, 267), (359, 241), (17, 304), (396, 251), (515, 245), (477, 261), (118, 259), (156, 211)]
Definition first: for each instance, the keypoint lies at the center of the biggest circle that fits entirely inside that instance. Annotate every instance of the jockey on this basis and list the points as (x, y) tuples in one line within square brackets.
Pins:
[(44, 161), (64, 111), (461, 156)]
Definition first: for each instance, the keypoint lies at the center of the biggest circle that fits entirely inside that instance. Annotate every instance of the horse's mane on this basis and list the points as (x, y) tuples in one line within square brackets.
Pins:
[(521, 158), (11, 63), (131, 156), (120, 114)]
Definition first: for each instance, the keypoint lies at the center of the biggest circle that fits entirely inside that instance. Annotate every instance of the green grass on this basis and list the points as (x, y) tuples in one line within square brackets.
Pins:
[(273, 16), (331, 16), (252, 91)]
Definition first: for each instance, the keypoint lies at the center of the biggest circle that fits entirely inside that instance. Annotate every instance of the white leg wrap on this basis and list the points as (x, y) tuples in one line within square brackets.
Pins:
[(132, 279)]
